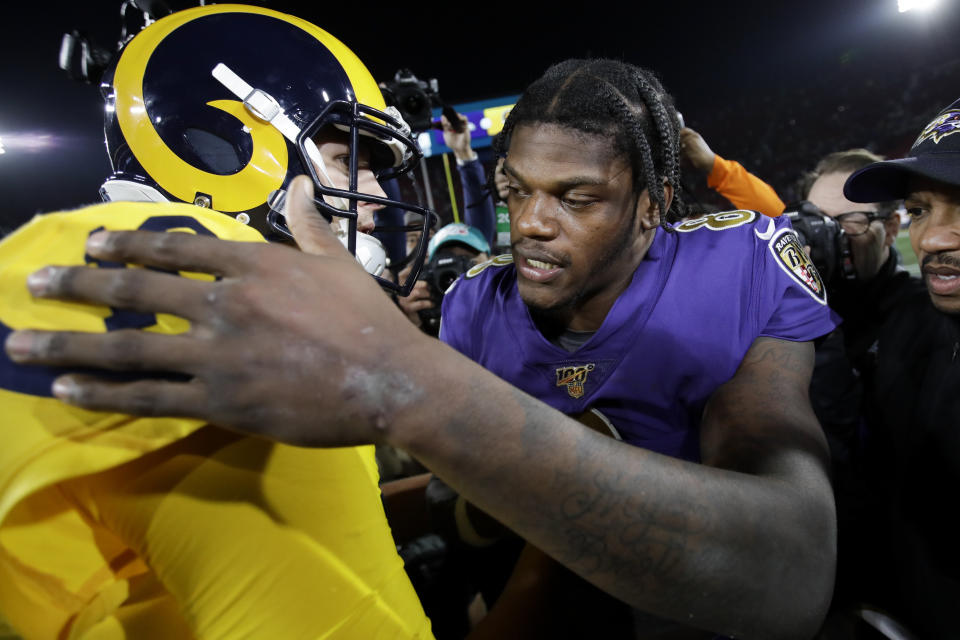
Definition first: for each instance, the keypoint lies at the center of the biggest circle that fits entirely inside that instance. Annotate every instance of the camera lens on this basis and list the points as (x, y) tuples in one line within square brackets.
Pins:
[(446, 277), (413, 103)]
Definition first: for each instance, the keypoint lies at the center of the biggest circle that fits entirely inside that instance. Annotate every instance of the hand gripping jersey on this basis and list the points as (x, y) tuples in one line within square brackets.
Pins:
[(696, 303), (119, 527)]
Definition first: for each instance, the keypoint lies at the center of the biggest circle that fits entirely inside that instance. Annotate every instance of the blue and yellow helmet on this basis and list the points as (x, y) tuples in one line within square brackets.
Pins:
[(218, 106)]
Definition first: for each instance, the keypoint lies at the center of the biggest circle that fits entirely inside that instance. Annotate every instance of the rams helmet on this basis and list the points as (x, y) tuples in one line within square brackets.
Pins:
[(219, 106)]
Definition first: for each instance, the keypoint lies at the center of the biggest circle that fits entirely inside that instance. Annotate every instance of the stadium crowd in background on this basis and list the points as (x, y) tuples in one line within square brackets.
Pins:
[(780, 133)]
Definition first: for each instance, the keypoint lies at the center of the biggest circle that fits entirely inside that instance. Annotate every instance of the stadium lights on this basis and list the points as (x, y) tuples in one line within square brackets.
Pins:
[(27, 142), (922, 5)]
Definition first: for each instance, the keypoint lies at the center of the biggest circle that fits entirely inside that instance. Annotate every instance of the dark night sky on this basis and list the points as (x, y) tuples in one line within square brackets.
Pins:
[(704, 52)]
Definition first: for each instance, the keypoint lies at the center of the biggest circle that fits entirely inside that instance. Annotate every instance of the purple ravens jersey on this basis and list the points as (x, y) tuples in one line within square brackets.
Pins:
[(696, 303)]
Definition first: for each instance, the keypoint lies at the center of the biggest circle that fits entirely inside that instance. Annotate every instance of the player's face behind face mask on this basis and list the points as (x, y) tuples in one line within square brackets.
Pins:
[(334, 170), (331, 160), (229, 125)]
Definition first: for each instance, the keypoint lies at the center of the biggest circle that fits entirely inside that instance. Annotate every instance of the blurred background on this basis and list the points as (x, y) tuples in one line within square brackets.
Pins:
[(773, 88)]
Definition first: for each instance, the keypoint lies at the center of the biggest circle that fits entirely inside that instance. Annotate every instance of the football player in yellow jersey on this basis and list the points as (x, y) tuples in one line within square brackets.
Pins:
[(119, 527)]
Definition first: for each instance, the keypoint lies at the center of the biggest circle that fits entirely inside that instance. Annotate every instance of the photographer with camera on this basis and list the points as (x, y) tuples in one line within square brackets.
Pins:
[(874, 397), (415, 99), (451, 252), (895, 553), (908, 554), (870, 228), (850, 244)]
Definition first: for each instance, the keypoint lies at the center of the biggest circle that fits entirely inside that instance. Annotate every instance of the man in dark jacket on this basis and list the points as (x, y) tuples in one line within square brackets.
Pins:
[(908, 558)]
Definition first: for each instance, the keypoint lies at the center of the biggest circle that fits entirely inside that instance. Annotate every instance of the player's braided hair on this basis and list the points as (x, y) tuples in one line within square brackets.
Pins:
[(614, 99)]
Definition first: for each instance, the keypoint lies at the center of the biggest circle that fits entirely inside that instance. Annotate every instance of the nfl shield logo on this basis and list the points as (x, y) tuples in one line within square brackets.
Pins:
[(573, 378)]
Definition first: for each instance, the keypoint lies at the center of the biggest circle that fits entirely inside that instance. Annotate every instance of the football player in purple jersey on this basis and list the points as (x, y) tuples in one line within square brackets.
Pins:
[(692, 341)]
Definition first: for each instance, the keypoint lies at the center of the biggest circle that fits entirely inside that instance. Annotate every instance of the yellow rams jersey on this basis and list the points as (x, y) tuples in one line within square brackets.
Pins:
[(114, 527)]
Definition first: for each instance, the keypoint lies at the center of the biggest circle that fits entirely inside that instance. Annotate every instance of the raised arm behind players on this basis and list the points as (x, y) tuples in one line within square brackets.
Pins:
[(728, 177)]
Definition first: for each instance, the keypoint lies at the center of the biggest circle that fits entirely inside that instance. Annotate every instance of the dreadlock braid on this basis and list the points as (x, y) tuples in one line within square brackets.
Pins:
[(667, 124), (634, 128), (613, 99)]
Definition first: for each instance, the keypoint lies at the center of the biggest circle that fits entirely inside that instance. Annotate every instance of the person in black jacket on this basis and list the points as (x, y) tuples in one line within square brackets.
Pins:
[(869, 229), (902, 550)]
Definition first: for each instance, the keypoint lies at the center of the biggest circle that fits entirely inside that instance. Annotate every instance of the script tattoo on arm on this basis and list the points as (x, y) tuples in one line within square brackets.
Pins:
[(742, 544)]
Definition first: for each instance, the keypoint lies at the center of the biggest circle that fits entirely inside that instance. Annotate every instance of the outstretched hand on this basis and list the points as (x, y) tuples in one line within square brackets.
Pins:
[(459, 142), (298, 346)]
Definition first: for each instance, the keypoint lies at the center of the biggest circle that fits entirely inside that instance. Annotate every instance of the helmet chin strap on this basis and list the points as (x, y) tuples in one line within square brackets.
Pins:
[(370, 252)]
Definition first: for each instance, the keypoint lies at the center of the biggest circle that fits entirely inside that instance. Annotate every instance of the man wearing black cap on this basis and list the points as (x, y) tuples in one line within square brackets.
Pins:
[(908, 558)]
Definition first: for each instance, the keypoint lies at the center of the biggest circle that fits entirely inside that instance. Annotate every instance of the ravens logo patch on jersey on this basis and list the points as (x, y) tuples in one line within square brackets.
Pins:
[(790, 256)]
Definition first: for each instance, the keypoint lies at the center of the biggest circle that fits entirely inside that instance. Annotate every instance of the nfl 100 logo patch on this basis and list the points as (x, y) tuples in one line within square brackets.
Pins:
[(574, 378)]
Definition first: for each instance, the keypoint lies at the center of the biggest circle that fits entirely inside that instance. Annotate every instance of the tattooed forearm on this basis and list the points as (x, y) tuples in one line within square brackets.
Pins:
[(709, 545), (612, 533)]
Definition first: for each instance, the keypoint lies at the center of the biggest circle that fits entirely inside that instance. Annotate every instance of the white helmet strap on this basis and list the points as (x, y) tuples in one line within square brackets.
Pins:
[(265, 107), (259, 103)]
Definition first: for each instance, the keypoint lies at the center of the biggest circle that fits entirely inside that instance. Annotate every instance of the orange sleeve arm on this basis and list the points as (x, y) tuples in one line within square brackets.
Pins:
[(742, 188)]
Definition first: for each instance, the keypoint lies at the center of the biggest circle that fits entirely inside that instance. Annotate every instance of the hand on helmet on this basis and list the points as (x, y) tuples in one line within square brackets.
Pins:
[(294, 345)]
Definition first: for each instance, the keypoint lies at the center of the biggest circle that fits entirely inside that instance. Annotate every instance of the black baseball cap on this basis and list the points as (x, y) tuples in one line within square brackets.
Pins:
[(935, 154)]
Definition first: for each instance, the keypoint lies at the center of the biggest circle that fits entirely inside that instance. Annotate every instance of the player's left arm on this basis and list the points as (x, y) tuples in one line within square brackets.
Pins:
[(760, 423), (746, 549)]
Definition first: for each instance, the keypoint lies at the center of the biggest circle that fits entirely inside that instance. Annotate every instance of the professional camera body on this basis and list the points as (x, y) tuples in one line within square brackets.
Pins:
[(452, 251), (414, 98), (439, 273), (829, 244)]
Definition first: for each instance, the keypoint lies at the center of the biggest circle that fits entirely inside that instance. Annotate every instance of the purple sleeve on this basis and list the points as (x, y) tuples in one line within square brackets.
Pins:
[(792, 298)]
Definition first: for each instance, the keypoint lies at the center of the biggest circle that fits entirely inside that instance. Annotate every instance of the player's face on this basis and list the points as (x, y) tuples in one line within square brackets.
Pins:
[(334, 146), (871, 249), (934, 209), (577, 230)]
